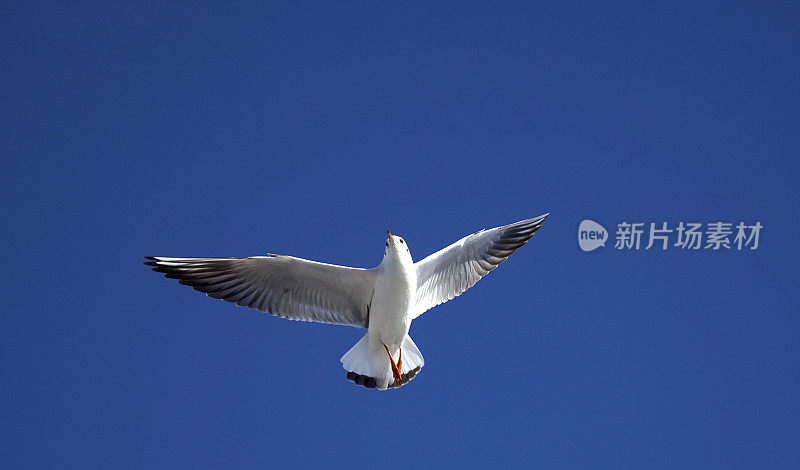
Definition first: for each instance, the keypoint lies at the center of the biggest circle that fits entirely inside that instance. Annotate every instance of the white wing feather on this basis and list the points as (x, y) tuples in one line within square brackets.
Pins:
[(449, 272), (284, 286)]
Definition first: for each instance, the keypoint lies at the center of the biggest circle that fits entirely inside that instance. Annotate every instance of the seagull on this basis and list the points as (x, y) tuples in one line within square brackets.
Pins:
[(383, 300)]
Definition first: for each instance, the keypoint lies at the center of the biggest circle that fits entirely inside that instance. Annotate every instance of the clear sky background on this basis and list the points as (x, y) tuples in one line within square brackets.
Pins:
[(191, 129)]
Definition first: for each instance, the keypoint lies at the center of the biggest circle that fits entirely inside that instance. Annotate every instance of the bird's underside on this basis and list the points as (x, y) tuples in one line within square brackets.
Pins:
[(299, 289)]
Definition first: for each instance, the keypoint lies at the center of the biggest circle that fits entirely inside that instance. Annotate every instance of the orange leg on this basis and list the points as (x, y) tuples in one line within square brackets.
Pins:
[(395, 367), (400, 360)]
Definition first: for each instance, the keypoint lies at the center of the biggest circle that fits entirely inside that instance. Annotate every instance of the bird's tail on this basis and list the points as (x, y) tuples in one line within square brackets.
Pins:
[(356, 362)]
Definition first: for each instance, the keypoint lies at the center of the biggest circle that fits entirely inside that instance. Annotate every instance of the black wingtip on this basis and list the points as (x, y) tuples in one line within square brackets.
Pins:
[(538, 221), (370, 382), (541, 218)]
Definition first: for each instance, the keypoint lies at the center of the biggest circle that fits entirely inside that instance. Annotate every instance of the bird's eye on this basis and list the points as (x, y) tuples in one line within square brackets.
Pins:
[(401, 241), (387, 244)]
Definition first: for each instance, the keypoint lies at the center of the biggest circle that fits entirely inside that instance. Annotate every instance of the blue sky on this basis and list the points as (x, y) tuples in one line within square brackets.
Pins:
[(193, 129)]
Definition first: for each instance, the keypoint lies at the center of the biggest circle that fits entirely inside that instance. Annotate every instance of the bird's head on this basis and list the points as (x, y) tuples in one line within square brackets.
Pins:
[(395, 245)]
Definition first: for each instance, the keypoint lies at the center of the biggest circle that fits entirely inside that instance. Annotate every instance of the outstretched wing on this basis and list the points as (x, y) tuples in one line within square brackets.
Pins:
[(449, 272), (285, 286)]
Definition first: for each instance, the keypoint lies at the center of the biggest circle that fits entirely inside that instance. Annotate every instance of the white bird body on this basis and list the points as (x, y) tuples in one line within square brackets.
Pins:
[(384, 300), (391, 309)]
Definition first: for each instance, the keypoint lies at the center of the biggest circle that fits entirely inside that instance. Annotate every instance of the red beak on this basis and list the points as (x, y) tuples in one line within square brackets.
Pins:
[(390, 234)]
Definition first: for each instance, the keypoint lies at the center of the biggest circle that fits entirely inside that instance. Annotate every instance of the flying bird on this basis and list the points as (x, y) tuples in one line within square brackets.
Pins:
[(383, 300)]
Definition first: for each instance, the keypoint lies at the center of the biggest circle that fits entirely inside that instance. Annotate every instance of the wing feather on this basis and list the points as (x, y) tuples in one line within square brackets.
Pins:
[(451, 271), (284, 286)]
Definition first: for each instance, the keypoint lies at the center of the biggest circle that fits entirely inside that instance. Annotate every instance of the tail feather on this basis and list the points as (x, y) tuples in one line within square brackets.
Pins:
[(412, 358), (356, 362), (357, 358), (370, 382)]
